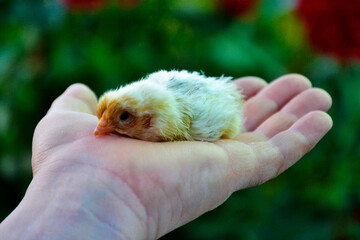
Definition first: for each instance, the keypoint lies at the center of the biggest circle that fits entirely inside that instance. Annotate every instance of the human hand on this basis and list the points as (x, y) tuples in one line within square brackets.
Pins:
[(115, 187)]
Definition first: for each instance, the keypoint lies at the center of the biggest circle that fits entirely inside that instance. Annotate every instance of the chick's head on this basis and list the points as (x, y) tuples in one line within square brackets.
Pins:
[(123, 115), (145, 110)]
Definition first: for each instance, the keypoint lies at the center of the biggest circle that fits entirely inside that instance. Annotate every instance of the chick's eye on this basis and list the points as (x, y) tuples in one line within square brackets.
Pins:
[(124, 116)]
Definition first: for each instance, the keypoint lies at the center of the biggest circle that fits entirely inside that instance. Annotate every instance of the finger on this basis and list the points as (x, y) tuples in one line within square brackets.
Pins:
[(283, 150), (307, 101), (251, 137), (299, 139), (78, 98), (254, 163), (272, 98), (250, 86)]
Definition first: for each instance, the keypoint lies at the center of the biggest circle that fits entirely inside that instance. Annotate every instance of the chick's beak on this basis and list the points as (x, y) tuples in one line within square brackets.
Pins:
[(102, 128)]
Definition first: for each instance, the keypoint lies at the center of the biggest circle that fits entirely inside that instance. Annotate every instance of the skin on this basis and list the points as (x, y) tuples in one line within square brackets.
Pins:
[(120, 188)]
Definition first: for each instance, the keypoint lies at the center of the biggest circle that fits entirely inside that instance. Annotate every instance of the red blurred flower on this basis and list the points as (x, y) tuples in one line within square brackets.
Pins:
[(237, 7), (83, 4), (333, 26)]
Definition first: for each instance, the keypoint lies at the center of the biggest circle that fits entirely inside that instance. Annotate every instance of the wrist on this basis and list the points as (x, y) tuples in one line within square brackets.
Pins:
[(75, 204)]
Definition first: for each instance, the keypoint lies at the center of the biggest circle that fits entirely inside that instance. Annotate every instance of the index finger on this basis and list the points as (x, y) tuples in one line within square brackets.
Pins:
[(250, 86), (77, 98)]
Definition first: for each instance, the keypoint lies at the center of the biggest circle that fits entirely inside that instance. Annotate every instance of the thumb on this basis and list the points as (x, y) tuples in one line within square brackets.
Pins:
[(78, 98)]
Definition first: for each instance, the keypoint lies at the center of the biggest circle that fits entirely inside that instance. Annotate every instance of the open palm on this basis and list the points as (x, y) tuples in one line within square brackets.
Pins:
[(132, 189)]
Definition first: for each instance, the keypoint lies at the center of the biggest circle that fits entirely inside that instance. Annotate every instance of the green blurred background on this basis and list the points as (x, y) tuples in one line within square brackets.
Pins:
[(45, 46)]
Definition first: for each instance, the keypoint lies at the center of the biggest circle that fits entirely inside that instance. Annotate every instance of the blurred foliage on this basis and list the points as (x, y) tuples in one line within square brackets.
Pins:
[(44, 48)]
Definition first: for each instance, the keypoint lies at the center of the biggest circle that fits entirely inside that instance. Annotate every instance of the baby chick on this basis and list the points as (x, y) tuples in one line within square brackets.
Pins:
[(172, 106)]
